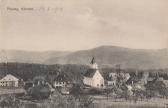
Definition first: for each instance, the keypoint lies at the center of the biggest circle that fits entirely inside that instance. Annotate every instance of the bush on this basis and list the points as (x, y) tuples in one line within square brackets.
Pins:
[(40, 92), (10, 102)]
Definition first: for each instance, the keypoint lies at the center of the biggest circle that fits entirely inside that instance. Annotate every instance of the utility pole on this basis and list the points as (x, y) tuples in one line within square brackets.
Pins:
[(118, 68), (5, 60)]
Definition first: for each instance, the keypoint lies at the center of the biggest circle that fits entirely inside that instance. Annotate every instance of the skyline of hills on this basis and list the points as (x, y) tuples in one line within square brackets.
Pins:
[(106, 56)]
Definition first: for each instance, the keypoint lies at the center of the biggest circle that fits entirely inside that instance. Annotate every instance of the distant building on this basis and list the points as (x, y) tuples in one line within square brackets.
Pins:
[(111, 83), (145, 78), (126, 76), (93, 77), (165, 82), (61, 80), (28, 84), (111, 79), (113, 75), (9, 81), (39, 80)]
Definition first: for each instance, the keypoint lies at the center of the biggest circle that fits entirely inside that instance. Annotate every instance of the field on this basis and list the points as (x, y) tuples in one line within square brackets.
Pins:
[(111, 103), (104, 104), (4, 91), (60, 101)]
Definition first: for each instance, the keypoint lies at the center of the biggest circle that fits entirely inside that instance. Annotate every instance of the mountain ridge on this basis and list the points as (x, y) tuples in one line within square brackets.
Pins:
[(111, 55), (105, 56)]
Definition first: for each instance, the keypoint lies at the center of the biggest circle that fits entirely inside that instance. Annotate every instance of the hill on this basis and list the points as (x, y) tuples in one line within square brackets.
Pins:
[(111, 55), (106, 56), (28, 56)]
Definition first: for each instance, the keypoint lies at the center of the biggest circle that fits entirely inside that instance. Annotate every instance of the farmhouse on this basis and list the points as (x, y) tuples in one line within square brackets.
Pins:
[(9, 81), (93, 77)]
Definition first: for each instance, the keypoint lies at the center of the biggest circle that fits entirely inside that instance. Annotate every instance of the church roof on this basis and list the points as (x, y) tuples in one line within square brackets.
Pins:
[(90, 73), (93, 61)]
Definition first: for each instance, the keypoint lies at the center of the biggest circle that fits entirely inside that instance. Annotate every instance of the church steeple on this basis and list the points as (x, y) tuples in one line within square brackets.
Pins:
[(93, 64)]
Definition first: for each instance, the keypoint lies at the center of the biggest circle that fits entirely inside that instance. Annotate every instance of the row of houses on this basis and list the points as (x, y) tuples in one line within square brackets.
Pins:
[(12, 81), (92, 78)]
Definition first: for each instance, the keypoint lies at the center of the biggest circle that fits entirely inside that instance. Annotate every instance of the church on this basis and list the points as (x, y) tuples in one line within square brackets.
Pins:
[(93, 77)]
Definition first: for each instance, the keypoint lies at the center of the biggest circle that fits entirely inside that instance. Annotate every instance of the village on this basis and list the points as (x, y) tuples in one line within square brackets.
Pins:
[(115, 86)]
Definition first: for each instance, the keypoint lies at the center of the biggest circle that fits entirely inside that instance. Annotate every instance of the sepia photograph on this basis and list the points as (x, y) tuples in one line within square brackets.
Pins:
[(83, 53)]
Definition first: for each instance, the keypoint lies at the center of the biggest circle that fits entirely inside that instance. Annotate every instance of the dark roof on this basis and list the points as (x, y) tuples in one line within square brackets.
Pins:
[(62, 77), (90, 73), (134, 79), (93, 61), (39, 78)]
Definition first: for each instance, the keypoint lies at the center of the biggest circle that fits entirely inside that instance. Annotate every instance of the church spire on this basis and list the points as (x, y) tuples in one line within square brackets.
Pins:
[(93, 64), (92, 61)]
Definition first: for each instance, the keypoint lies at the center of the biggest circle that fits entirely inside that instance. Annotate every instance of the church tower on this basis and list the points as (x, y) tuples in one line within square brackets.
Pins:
[(93, 64), (93, 77)]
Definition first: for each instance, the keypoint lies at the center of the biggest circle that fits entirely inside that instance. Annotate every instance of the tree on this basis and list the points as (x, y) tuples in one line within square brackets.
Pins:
[(40, 92), (156, 88), (76, 91), (10, 102), (108, 91)]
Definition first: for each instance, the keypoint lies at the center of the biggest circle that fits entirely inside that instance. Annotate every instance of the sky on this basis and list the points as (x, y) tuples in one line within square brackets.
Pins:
[(83, 24)]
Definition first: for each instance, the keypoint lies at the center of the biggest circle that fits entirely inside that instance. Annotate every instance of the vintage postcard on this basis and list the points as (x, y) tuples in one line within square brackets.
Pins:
[(83, 54)]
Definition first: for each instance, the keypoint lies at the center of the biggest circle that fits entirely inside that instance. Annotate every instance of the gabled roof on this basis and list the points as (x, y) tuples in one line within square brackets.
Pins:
[(62, 77), (9, 77), (134, 79), (90, 73)]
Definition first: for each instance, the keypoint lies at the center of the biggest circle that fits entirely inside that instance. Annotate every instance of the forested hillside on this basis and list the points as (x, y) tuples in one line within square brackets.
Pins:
[(29, 71), (75, 72)]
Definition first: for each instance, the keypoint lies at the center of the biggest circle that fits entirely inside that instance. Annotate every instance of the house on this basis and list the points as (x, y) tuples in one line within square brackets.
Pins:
[(61, 80), (132, 80), (111, 79), (111, 82), (28, 84), (113, 75), (126, 76), (165, 82), (9, 81), (145, 78), (93, 77), (39, 80)]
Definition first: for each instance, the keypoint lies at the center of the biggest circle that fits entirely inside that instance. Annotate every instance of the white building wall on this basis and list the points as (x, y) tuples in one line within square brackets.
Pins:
[(59, 84), (98, 80), (94, 66), (16, 84), (9, 81), (88, 81)]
